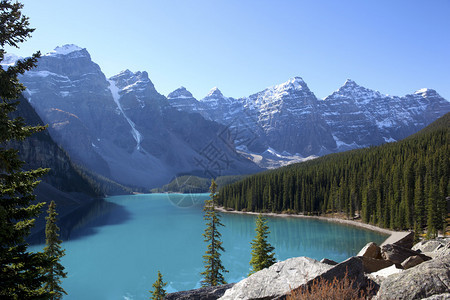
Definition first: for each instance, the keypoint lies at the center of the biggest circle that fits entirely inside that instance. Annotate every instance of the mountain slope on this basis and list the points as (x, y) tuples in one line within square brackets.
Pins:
[(63, 183), (121, 127), (289, 118), (399, 185)]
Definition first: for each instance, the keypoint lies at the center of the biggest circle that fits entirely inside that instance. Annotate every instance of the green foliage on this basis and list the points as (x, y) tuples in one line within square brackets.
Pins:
[(54, 252), (262, 251), (158, 292), (213, 274), (400, 185), (20, 271)]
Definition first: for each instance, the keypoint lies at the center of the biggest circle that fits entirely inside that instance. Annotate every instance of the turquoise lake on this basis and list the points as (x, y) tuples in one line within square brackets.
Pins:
[(116, 248)]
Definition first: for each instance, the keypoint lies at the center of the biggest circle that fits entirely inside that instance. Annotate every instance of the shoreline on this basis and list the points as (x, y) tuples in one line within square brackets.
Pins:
[(391, 233)]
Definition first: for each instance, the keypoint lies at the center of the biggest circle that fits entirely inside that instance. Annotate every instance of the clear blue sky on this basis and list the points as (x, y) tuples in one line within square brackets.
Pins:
[(242, 47)]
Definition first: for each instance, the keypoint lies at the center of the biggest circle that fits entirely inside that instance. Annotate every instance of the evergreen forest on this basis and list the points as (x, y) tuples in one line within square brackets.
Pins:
[(400, 185)]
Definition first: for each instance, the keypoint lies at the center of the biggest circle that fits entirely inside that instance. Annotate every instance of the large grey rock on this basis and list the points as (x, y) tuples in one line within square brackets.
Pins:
[(353, 268), (398, 254), (412, 261), (370, 250), (407, 241), (205, 293), (428, 246), (371, 265), (434, 248), (427, 279), (277, 280)]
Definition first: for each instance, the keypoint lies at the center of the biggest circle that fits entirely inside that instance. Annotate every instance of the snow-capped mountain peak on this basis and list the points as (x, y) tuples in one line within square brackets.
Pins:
[(64, 50), (214, 92), (295, 83), (426, 93), (350, 83), (180, 93), (352, 90)]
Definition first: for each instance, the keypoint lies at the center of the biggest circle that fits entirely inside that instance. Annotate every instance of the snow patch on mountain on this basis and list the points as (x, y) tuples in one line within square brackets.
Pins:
[(272, 159), (116, 96), (64, 50), (46, 74), (342, 146)]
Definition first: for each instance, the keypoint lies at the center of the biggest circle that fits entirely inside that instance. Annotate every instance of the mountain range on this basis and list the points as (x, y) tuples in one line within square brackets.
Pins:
[(289, 119), (122, 128)]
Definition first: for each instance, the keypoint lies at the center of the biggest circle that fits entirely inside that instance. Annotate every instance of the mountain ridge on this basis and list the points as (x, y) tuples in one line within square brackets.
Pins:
[(123, 126)]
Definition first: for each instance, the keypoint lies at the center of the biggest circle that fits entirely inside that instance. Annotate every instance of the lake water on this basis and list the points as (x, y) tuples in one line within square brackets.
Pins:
[(117, 246)]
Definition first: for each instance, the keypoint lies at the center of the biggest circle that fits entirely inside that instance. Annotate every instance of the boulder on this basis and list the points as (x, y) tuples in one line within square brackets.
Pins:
[(434, 248), (427, 279), (353, 268), (277, 280), (401, 238), (370, 250), (371, 265), (205, 293), (407, 241), (328, 262), (412, 261), (428, 246), (397, 254)]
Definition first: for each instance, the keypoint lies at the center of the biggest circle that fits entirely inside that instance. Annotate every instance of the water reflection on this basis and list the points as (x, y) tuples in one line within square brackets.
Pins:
[(86, 220), (305, 237)]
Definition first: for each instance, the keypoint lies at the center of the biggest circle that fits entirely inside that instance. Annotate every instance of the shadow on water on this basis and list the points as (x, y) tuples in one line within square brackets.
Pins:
[(86, 220)]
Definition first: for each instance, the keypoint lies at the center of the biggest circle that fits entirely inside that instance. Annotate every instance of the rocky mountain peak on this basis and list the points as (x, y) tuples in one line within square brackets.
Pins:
[(426, 93), (350, 83), (214, 92), (295, 83), (351, 90), (69, 49), (127, 80), (179, 93)]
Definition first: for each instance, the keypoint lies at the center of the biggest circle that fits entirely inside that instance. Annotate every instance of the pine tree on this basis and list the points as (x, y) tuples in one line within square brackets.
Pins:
[(262, 251), (159, 292), (54, 252), (213, 274), (20, 270)]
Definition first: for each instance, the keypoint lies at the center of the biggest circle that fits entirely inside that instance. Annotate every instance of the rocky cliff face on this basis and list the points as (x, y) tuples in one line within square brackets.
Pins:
[(121, 127), (63, 183), (289, 118)]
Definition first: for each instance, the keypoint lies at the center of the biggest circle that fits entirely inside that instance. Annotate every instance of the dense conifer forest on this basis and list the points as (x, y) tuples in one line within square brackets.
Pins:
[(401, 185)]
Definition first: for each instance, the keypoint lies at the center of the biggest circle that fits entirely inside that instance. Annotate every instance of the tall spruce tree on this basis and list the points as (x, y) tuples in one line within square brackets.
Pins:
[(158, 292), (262, 250), (213, 274), (54, 252), (20, 270)]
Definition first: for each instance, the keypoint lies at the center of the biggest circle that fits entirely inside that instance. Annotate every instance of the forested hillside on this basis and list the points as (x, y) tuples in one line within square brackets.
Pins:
[(399, 185)]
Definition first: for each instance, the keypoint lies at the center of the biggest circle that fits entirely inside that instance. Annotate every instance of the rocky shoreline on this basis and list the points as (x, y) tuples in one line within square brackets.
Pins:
[(394, 270)]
